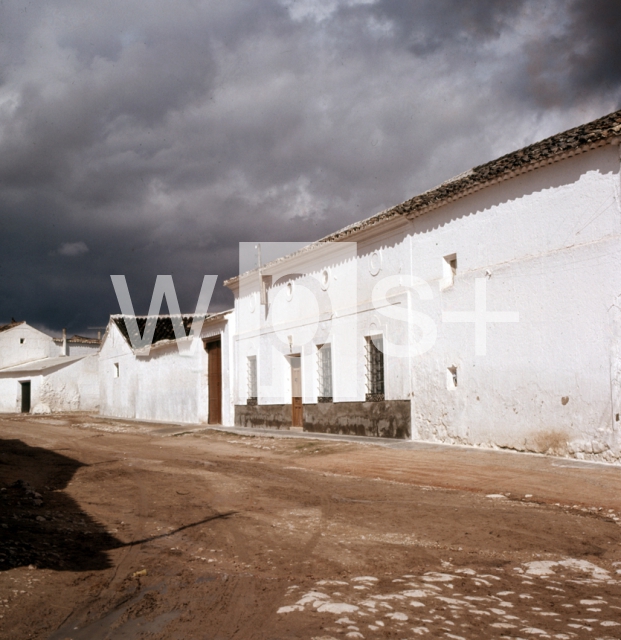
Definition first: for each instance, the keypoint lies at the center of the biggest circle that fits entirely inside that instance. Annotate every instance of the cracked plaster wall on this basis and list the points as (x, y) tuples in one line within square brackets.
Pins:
[(164, 386), (547, 245)]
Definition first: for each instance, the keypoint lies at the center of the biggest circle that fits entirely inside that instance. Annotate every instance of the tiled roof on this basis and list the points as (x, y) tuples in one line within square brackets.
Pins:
[(163, 328), (78, 340), (83, 340), (6, 327), (563, 145)]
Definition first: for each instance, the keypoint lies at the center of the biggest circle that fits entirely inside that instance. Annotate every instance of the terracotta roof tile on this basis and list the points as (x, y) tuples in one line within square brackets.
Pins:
[(163, 329), (571, 142), (6, 327), (78, 340), (561, 145)]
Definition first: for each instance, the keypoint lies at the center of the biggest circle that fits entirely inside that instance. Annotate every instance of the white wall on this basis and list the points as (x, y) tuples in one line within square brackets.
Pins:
[(330, 302), (165, 385), (65, 387), (546, 245), (81, 349), (116, 395), (10, 393), (35, 346), (74, 387)]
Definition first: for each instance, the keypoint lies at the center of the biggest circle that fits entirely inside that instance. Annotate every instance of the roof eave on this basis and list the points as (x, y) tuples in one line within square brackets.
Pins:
[(598, 133)]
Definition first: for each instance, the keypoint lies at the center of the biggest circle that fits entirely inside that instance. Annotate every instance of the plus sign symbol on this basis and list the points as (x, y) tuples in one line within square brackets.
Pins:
[(480, 316)]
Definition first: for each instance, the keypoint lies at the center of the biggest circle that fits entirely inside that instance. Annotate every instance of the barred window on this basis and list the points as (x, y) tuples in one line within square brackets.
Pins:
[(252, 380), (324, 371), (375, 369)]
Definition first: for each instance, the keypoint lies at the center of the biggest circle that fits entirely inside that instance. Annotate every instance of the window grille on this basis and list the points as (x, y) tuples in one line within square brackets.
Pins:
[(252, 380), (375, 369), (324, 370)]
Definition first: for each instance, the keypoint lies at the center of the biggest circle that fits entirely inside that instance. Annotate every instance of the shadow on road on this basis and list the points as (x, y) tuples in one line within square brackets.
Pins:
[(40, 524)]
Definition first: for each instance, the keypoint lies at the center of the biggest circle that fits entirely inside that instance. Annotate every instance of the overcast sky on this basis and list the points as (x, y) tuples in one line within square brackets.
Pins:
[(146, 138)]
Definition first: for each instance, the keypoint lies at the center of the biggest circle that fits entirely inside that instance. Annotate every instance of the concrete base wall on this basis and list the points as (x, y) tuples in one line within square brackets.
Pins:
[(269, 416), (387, 419)]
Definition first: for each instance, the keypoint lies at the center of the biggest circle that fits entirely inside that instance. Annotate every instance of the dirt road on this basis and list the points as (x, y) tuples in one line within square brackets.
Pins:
[(121, 530)]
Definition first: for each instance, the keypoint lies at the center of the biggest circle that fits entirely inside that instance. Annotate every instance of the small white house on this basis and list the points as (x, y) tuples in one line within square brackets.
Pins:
[(38, 375), (486, 311), (77, 345), (185, 382)]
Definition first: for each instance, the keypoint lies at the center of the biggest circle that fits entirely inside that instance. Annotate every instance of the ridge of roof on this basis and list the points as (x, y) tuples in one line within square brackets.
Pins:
[(10, 325), (557, 147), (76, 339), (547, 151)]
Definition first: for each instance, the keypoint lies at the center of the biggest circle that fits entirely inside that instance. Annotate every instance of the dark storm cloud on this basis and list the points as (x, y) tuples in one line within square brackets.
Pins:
[(424, 27), (148, 139), (583, 59)]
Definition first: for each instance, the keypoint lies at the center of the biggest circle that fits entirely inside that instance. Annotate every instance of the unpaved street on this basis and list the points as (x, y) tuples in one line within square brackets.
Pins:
[(112, 529)]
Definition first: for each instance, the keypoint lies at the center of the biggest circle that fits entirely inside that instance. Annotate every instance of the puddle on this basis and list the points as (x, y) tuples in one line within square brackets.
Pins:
[(103, 628)]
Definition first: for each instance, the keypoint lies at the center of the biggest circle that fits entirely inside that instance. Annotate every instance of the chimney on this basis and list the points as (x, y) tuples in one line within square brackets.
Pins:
[(64, 349)]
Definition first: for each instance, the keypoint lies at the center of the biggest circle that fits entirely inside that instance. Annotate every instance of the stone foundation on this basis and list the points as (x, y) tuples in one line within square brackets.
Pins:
[(268, 416), (385, 419)]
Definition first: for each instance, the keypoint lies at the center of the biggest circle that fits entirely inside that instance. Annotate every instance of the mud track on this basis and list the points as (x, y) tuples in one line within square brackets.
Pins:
[(110, 529)]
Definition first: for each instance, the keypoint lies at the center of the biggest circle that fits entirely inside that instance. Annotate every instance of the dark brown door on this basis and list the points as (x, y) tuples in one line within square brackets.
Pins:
[(25, 397), (214, 381), (296, 391)]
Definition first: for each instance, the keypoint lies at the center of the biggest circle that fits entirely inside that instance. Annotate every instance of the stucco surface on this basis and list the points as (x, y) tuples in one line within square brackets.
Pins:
[(71, 385), (543, 246), (24, 343), (166, 385)]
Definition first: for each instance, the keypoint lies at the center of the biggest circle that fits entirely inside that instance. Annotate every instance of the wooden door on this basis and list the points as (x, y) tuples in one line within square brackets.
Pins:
[(214, 380), (297, 418), (25, 396)]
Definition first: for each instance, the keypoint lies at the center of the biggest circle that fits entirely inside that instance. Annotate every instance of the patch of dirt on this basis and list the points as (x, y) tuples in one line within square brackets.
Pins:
[(552, 442), (109, 530)]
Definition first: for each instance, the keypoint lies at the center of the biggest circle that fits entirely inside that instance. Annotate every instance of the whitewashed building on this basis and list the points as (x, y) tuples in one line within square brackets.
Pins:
[(172, 381), (486, 311), (77, 345), (41, 374)]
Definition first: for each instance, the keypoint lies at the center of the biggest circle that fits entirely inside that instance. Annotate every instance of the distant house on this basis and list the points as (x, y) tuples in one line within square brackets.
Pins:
[(192, 386), (486, 311), (38, 375), (78, 345)]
